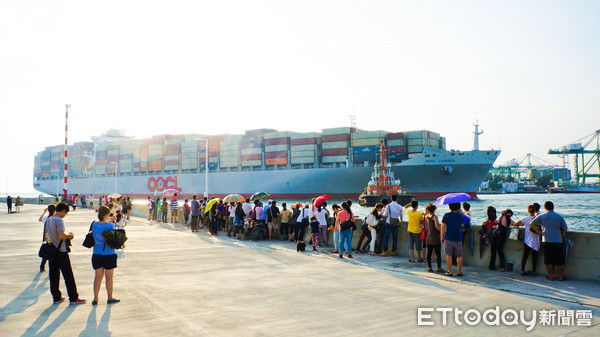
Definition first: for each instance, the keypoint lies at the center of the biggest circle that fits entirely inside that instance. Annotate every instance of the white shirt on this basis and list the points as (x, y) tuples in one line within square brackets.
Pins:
[(321, 216), (149, 204), (303, 214), (394, 210), (247, 207), (232, 211), (531, 239), (120, 224)]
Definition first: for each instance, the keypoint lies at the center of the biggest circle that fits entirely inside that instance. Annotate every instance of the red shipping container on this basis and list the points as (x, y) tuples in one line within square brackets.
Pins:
[(335, 152), (395, 135), (336, 138), (171, 162), (277, 141), (396, 149), (305, 141), (252, 157), (278, 154), (276, 161)]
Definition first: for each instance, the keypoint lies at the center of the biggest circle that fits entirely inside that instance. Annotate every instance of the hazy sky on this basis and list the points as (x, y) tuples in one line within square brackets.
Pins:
[(529, 71)]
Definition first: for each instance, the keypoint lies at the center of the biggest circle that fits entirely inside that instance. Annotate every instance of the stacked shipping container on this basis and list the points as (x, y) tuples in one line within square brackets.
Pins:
[(230, 151), (335, 143), (277, 147), (365, 146), (396, 146), (305, 148), (417, 140)]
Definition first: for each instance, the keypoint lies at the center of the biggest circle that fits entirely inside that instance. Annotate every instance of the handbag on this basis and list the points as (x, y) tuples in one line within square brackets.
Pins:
[(423, 234), (89, 240), (48, 250), (347, 225)]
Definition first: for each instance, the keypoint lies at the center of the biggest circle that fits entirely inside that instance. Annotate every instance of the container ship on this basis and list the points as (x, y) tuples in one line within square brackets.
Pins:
[(288, 165)]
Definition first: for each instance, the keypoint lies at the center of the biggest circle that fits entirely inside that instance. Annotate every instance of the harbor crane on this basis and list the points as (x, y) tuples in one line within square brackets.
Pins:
[(580, 148)]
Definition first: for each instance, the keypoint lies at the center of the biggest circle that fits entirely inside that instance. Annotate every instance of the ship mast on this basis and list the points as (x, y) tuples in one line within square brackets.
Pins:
[(66, 168), (383, 155), (476, 136)]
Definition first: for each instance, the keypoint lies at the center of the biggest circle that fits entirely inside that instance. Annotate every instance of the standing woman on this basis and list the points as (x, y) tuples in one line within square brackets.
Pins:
[(345, 235), (372, 221), (286, 215), (321, 215), (104, 258), (128, 208), (531, 242), (165, 210), (336, 232), (294, 227), (499, 239), (433, 238), (51, 209)]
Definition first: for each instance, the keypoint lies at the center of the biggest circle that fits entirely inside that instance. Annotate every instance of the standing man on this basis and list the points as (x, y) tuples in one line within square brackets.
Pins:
[(415, 219), (9, 204), (553, 228), (451, 234), (393, 215), (273, 220), (247, 207), (174, 206), (150, 209), (195, 212), (55, 229)]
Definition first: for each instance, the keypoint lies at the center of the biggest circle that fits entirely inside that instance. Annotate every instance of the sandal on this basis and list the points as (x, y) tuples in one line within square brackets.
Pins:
[(94, 302), (421, 260), (524, 273), (411, 261), (549, 278), (562, 279), (440, 270), (430, 270)]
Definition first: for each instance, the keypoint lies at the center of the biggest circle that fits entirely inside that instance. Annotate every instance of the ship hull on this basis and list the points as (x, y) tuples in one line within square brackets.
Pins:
[(427, 177)]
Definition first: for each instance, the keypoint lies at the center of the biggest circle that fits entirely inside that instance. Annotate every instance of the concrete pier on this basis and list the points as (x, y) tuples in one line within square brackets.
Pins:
[(176, 283)]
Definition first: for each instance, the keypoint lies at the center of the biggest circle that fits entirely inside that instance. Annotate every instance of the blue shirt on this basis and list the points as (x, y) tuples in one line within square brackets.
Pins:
[(264, 215), (195, 205), (551, 223), (314, 227), (467, 221), (453, 223), (97, 229)]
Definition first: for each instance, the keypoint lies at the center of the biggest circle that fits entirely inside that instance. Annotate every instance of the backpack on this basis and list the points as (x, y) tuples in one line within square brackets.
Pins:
[(496, 231)]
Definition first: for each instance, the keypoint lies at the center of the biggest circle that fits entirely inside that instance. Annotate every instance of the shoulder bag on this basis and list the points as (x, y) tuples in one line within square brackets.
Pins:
[(89, 240)]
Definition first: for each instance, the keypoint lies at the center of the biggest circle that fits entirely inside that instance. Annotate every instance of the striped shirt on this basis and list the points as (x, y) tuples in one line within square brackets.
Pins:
[(174, 204)]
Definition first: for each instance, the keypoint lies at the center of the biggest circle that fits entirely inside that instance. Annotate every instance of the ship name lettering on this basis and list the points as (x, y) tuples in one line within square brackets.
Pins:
[(160, 184)]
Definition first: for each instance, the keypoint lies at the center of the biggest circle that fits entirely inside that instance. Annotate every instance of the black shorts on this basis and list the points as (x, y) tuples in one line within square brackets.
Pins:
[(104, 261), (554, 253)]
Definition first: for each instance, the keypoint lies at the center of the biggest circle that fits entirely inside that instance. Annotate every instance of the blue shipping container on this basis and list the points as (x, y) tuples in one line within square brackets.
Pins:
[(365, 149), (361, 157), (395, 156)]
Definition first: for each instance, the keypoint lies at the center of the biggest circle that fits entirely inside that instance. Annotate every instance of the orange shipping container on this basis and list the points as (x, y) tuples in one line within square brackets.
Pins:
[(276, 161), (171, 162)]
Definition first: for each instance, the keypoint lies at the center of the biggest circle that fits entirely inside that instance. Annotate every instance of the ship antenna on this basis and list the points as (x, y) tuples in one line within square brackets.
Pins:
[(476, 136)]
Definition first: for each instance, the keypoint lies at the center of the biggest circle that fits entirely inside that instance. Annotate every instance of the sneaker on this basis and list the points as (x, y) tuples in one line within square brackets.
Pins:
[(79, 301), (314, 249), (448, 274), (459, 274), (349, 256), (341, 256), (62, 299), (114, 300), (393, 253), (383, 254)]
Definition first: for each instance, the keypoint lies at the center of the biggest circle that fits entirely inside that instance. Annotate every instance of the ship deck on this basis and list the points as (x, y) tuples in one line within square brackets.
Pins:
[(175, 283)]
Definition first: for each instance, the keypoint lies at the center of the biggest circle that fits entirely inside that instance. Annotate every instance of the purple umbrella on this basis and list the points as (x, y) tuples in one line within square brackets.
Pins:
[(451, 198)]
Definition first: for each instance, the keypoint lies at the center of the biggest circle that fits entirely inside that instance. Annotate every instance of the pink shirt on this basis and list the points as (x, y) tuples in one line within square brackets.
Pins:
[(343, 216)]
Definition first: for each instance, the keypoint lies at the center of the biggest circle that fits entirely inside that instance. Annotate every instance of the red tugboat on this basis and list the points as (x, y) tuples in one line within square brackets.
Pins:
[(383, 184)]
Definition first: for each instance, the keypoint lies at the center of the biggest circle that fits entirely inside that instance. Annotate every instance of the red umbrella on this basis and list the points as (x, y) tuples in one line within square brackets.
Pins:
[(320, 200)]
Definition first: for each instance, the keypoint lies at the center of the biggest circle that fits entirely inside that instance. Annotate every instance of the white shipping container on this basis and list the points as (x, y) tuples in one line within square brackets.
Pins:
[(229, 164), (253, 150), (415, 149), (309, 147), (336, 131), (251, 163), (172, 157), (396, 142), (277, 148), (335, 145), (299, 154), (229, 153), (335, 159), (230, 147), (303, 160), (281, 134), (367, 142), (369, 134), (306, 135)]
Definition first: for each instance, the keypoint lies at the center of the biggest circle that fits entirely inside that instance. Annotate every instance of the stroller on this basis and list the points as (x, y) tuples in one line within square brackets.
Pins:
[(259, 231)]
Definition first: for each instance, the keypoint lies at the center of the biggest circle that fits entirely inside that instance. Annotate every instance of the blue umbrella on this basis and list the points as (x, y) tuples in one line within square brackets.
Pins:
[(451, 198)]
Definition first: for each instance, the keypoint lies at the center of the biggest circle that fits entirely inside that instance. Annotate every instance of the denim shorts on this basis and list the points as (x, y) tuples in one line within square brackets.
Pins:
[(414, 239)]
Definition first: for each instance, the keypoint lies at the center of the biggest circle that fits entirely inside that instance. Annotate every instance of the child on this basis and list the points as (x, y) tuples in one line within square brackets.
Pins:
[(120, 224), (314, 232)]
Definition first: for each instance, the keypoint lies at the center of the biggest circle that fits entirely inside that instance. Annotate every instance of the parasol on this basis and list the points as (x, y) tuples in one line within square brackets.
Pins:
[(452, 198), (320, 200), (233, 198), (259, 195), (210, 204)]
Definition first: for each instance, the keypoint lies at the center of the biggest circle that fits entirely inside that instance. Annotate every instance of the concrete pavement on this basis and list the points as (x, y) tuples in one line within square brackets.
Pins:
[(176, 283)]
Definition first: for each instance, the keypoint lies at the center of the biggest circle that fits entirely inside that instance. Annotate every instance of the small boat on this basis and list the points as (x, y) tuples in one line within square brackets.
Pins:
[(383, 184)]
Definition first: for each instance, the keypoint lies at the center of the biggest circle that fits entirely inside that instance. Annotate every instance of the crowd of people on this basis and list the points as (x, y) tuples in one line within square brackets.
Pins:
[(427, 234)]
